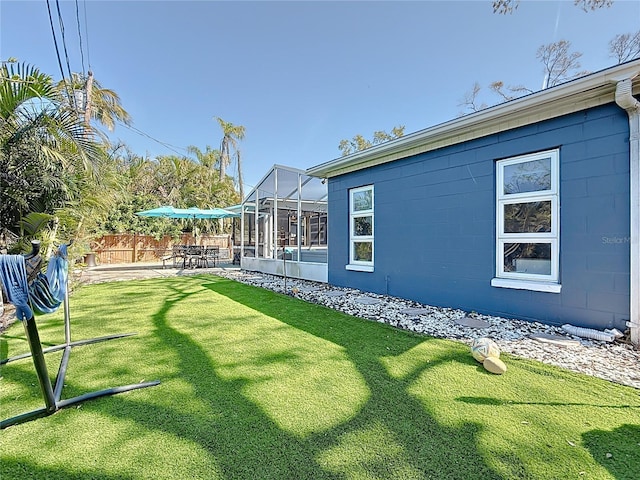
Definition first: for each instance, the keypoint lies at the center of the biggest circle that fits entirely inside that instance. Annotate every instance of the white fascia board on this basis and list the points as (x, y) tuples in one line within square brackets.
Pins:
[(574, 96)]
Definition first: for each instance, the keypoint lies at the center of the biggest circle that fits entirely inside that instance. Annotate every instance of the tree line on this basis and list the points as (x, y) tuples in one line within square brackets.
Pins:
[(62, 180)]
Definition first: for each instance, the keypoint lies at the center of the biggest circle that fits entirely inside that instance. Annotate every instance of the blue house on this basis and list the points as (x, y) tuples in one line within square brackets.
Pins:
[(529, 209)]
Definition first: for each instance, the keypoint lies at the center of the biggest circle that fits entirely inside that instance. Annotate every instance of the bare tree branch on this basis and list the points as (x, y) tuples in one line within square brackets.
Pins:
[(587, 5), (504, 7), (469, 101), (625, 47), (559, 63), (498, 87)]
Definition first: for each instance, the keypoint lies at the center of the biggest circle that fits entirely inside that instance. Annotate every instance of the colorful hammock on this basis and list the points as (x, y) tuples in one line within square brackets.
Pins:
[(45, 293)]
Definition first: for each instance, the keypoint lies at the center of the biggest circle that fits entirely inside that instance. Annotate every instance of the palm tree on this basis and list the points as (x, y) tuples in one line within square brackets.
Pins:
[(175, 179), (44, 147), (230, 135), (209, 158), (31, 105), (96, 102), (240, 184)]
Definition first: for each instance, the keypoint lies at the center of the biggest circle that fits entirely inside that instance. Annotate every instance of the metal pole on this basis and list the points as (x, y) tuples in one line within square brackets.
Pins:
[(299, 224), (67, 317), (284, 265), (31, 331), (274, 230)]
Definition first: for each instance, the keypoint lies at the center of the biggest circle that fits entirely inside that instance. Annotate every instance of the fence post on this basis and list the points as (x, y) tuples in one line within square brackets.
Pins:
[(133, 250)]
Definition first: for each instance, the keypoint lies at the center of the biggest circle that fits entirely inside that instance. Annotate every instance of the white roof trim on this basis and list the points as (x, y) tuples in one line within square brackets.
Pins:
[(586, 92)]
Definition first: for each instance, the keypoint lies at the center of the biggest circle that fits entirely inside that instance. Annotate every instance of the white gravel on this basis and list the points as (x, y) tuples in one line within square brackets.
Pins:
[(615, 361)]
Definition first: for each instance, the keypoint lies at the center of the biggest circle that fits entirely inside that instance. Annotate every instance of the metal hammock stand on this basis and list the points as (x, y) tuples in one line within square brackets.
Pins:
[(52, 394)]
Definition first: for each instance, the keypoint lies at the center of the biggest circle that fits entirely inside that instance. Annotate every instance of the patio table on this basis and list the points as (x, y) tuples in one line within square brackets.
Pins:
[(193, 256)]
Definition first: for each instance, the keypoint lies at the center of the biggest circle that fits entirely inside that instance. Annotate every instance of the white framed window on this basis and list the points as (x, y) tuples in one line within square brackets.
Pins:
[(528, 222), (361, 245)]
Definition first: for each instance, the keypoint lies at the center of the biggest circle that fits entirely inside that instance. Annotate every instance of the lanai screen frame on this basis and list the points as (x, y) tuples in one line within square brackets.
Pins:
[(283, 197)]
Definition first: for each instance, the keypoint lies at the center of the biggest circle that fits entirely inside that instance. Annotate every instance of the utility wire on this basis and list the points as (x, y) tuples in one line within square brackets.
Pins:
[(72, 98), (55, 41), (86, 32), (164, 144), (64, 40), (80, 37)]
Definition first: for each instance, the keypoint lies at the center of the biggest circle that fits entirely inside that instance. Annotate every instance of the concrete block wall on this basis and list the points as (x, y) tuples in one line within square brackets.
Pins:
[(435, 223)]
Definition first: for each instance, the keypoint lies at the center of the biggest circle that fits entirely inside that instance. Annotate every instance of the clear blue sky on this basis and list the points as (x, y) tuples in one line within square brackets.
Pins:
[(300, 76)]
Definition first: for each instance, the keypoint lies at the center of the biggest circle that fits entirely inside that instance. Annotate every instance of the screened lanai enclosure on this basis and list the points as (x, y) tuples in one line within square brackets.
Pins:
[(284, 225)]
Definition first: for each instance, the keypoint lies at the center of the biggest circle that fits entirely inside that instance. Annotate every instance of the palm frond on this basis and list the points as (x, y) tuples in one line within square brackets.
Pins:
[(35, 222), (20, 83)]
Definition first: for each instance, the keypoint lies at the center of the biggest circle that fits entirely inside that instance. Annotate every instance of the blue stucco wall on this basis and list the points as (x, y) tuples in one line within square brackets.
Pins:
[(435, 224)]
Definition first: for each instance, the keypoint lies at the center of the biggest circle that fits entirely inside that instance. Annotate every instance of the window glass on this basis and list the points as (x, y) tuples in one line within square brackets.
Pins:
[(361, 229), (363, 251), (530, 258), (362, 200), (531, 176), (363, 226), (527, 217)]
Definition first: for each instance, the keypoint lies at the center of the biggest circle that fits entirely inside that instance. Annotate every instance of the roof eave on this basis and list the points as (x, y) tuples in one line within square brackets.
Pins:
[(586, 92)]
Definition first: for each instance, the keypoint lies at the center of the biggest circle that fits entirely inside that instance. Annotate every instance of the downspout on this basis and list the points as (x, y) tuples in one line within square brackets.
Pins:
[(625, 99)]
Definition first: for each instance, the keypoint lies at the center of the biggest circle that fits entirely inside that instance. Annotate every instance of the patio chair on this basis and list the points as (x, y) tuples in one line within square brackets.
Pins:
[(211, 253), (177, 252)]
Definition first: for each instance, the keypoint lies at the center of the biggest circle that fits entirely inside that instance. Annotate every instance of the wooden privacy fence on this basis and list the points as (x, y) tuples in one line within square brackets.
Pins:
[(132, 248)]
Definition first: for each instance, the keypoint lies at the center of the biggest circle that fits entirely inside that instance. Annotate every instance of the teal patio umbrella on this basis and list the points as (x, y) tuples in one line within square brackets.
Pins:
[(215, 213), (167, 211), (193, 213)]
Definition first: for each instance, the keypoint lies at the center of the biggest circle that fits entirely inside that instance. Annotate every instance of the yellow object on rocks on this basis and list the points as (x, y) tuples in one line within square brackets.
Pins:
[(494, 365)]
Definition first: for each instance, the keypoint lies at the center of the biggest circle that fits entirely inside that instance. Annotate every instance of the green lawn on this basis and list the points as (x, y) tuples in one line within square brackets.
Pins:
[(257, 385)]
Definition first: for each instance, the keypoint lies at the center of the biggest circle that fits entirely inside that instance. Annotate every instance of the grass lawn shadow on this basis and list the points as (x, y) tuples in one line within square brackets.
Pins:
[(416, 441), (618, 450), (260, 385)]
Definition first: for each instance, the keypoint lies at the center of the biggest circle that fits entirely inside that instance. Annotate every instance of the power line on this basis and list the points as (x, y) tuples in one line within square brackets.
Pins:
[(64, 42), (71, 97), (80, 37), (55, 41), (164, 144), (86, 32)]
